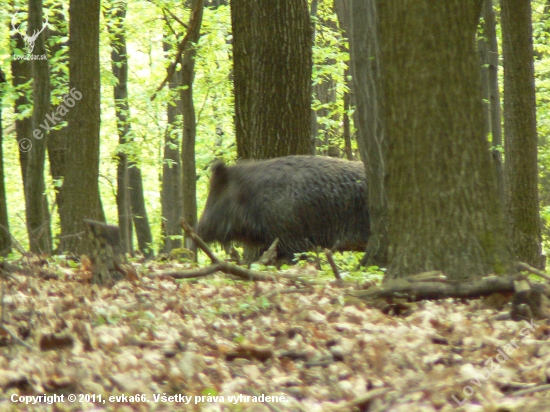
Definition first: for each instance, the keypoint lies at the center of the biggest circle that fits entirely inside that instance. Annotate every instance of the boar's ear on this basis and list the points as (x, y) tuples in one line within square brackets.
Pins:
[(220, 174)]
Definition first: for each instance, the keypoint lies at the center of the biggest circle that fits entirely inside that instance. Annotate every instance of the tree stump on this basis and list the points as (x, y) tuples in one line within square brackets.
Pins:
[(107, 254)]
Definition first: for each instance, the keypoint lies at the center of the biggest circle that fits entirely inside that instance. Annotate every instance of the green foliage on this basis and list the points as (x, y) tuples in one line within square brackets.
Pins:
[(541, 45), (330, 61)]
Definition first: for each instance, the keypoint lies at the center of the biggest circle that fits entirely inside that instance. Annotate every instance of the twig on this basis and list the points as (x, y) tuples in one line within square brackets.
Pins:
[(540, 388), (176, 18), (332, 264), (15, 337)]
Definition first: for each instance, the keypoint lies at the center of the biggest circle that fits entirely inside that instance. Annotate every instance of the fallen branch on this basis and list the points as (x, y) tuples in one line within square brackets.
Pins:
[(415, 291), (194, 273), (531, 269), (221, 265)]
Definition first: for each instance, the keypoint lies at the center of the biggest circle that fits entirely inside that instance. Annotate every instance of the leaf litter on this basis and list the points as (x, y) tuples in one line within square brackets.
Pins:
[(226, 345)]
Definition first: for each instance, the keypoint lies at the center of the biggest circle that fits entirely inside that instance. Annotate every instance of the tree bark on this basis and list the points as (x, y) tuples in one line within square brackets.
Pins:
[(171, 194), (36, 204), (5, 238), (520, 131), (189, 177), (80, 189), (272, 77), (442, 195), (366, 72)]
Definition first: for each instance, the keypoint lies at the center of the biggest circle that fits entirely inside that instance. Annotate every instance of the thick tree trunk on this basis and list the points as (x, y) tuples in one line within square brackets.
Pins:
[(189, 177), (442, 195), (80, 189), (171, 197), (520, 131), (365, 67), (5, 238), (272, 77), (36, 205)]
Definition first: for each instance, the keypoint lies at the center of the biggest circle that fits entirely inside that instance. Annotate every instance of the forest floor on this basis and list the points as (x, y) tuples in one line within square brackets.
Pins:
[(218, 344)]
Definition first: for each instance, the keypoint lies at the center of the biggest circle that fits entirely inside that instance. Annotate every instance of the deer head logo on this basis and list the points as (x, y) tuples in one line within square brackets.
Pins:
[(29, 40)]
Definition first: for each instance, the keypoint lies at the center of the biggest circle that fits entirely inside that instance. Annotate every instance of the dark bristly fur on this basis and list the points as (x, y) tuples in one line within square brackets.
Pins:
[(305, 201)]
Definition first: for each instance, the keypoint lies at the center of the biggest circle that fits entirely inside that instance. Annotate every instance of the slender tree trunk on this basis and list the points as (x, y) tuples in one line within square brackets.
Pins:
[(442, 195), (36, 205), (171, 196), (21, 74), (314, 125), (139, 212), (5, 238), (272, 77), (345, 119), (488, 52), (57, 139), (189, 178), (371, 137), (130, 199), (520, 131), (483, 51), (342, 8), (119, 66), (494, 95), (80, 189)]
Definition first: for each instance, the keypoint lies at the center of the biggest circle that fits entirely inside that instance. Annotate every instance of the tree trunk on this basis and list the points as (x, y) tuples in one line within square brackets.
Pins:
[(36, 205), (171, 196), (272, 77), (5, 238), (130, 199), (119, 66), (57, 139), (342, 8), (345, 119), (189, 177), (80, 189), (314, 126), (442, 196), (139, 212), (21, 71), (494, 95), (365, 67), (520, 131)]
